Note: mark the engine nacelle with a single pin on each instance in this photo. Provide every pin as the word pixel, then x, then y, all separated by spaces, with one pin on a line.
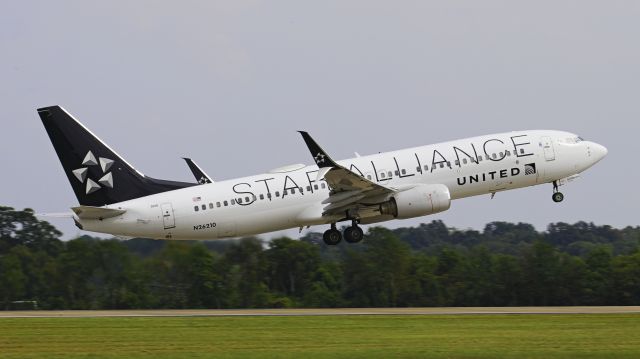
pixel 418 201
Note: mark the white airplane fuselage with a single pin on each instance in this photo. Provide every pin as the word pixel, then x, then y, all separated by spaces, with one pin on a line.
pixel 292 197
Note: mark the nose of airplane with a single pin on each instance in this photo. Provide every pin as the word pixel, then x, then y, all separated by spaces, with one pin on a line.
pixel 598 151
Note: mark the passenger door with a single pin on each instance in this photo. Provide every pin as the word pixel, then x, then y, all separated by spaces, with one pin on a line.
pixel 547 146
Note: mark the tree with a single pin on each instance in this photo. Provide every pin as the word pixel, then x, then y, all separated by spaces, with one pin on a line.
pixel 12 280
pixel 23 228
pixel 597 286
pixel 245 269
pixel 507 280
pixel 424 288
pixel 185 275
pixel 541 263
pixel 429 265
pixel 626 279
pixel 378 276
pixel 326 287
pixel 291 266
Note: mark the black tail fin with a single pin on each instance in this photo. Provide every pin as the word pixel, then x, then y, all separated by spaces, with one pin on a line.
pixel 97 174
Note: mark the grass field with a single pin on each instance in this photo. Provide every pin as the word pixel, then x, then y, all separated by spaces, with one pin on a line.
pixel 434 336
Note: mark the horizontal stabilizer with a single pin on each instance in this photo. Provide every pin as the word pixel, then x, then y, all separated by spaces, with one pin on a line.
pixel 89 212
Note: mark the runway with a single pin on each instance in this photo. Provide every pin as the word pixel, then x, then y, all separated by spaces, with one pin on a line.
pixel 315 312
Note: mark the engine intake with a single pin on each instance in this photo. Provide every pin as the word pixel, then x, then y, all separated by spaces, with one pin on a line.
pixel 418 201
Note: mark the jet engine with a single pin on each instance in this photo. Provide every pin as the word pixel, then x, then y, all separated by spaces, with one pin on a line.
pixel 417 201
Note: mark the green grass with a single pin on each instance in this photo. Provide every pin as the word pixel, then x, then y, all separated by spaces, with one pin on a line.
pixel 430 336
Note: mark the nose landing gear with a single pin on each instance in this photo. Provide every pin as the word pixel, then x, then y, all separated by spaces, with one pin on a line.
pixel 557 195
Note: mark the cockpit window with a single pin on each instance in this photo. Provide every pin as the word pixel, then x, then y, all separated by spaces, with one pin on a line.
pixel 572 140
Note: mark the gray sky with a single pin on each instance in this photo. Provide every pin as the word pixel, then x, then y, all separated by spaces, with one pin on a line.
pixel 229 83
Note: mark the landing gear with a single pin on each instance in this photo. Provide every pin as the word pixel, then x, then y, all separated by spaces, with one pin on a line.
pixel 557 195
pixel 353 234
pixel 332 236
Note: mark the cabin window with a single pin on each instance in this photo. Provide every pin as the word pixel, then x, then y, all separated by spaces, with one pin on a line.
pixel 508 153
pixel 196 208
pixel 418 169
pixel 501 154
pixel 397 173
pixel 308 188
pixel 426 168
pixel 246 199
pixel 479 158
pixel 269 195
pixel 457 162
pixel 239 200
pixel 218 204
pixel 261 197
pixel 300 189
pixel 293 191
pixel 522 151
pixel 381 174
pixel 323 185
pixel 204 206
pixel 389 174
pixel 404 172
pixel 226 203
pixel 210 205
pixel 233 201
pixel 315 186
pixel 441 165
pixel 254 197
pixel 277 193
pixel 448 164
pixel 493 155
pixel 464 160
pixel 368 177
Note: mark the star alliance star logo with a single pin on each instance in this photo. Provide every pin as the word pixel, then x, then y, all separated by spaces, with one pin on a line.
pixel 90 160
pixel 319 158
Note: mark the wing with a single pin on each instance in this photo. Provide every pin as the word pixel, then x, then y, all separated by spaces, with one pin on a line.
pixel 348 189
pixel 198 173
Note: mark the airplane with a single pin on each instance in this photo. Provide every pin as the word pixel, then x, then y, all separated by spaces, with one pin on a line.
pixel 198 173
pixel 117 199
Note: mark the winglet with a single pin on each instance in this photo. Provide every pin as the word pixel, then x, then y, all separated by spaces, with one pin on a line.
pixel 321 158
pixel 199 174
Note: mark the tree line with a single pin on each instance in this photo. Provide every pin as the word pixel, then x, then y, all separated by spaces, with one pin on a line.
pixel 506 264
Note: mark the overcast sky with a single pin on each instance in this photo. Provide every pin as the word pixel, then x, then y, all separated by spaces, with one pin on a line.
pixel 229 83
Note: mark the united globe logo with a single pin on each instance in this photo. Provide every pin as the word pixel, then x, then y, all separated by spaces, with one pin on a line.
pixel 530 169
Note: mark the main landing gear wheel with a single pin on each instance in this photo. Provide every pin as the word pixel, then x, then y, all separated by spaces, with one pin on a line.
pixel 332 236
pixel 353 234
pixel 557 197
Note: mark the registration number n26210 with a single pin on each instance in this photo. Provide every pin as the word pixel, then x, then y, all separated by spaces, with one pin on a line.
pixel 199 227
